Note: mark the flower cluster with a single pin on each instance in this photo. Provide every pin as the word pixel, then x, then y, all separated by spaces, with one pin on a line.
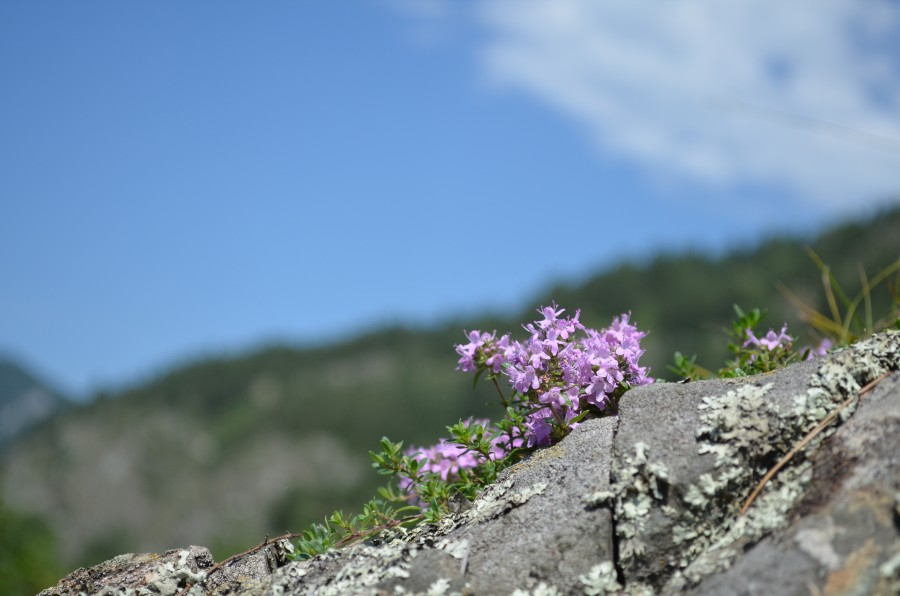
pixel 448 458
pixel 445 459
pixel 772 341
pixel 561 372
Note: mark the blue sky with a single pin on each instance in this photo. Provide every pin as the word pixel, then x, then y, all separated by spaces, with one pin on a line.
pixel 186 178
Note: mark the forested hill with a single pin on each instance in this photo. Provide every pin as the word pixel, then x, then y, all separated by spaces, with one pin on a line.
pixel 687 300
pixel 224 451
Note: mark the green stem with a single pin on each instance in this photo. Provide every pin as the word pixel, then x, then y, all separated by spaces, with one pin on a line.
pixel 500 391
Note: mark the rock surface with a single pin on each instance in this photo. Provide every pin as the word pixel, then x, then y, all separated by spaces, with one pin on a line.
pixel 646 503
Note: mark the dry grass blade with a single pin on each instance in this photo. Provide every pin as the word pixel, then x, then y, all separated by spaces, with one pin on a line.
pixel 829 296
pixel 218 566
pixel 837 325
pixel 830 286
pixel 867 297
pixel 810 315
pixel 806 440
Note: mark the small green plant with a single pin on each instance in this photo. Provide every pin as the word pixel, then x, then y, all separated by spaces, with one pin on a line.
pixel 751 353
pixel 688 369
pixel 848 321
pixel 378 515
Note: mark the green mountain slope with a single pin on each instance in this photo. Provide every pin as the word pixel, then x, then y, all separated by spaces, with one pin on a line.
pixel 686 300
pixel 223 452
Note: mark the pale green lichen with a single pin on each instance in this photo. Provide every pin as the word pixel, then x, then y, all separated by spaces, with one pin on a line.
pixel 365 567
pixel 890 569
pixel 166 579
pixel 889 575
pixel 598 498
pixel 769 513
pixel 638 484
pixel 847 370
pixel 601 580
pixel 733 423
pixel 458 550
pixel 735 428
pixel 439 587
pixel 493 504
pixel 542 589
pixel 742 430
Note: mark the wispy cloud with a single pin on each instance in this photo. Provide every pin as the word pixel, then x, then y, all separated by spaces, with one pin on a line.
pixel 802 97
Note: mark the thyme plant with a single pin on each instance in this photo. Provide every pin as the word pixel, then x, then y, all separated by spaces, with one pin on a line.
pixel 546 385
pixel 848 321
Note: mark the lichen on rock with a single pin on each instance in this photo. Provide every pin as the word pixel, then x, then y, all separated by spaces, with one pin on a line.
pixel 601 580
pixel 638 484
pixel 738 429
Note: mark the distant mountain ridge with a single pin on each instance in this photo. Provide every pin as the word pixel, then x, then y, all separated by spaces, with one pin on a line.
pixel 224 451
pixel 25 401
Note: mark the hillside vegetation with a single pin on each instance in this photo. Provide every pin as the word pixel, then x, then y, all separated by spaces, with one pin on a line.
pixel 225 451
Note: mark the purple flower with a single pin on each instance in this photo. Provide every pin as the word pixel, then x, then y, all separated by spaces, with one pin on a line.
pixel 550 314
pixel 770 340
pixel 537 358
pixel 446 458
pixel 482 347
pixel 523 380
pixel 468 351
pixel 820 350
pixel 539 431
pixel 503 443
pixel 554 397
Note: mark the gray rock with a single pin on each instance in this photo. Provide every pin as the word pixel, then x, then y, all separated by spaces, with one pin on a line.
pixel 704 447
pixel 565 536
pixel 646 503
pixel 843 533
pixel 532 528
pixel 175 571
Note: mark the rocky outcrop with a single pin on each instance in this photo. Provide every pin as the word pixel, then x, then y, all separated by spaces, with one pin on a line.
pixel 649 502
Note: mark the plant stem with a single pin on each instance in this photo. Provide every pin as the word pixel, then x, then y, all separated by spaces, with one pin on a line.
pixel 500 391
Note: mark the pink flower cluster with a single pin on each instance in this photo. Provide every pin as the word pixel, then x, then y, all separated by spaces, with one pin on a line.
pixel 561 370
pixel 447 458
pixel 559 374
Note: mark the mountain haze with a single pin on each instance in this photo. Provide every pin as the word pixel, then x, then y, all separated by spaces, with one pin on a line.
pixel 25 401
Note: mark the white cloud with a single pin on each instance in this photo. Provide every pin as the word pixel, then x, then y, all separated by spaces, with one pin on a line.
pixel 801 96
